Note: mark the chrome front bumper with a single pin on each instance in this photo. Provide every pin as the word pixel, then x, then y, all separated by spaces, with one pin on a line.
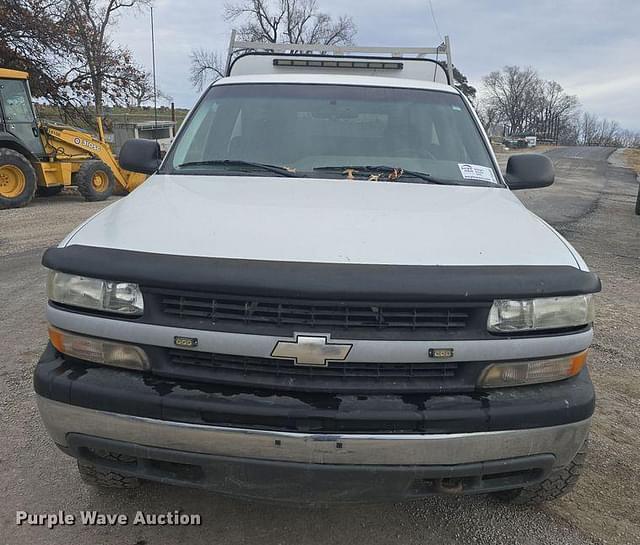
pixel 561 441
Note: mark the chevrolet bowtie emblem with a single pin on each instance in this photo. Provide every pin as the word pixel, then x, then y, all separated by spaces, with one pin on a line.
pixel 312 351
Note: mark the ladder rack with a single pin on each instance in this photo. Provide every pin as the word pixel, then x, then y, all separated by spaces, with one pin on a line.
pixel 237 47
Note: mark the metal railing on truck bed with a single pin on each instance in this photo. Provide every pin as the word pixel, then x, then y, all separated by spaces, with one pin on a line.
pixel 406 62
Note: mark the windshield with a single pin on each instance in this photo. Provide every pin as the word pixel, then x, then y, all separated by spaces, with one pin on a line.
pixel 333 131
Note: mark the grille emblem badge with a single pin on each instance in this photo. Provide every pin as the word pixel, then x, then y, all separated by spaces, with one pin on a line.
pixel 313 351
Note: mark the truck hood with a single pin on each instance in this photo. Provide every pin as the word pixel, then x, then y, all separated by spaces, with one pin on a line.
pixel 325 221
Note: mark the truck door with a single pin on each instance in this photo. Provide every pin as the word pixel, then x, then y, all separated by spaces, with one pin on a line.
pixel 18 114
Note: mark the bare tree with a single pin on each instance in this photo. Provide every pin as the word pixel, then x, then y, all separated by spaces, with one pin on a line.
pixel 629 139
pixel 71 59
pixel 274 21
pixel 289 21
pixel 608 132
pixel 512 91
pixel 569 130
pixel 104 68
pixel 489 116
pixel 165 97
pixel 205 63
pixel 33 37
pixel 555 107
pixel 140 90
pixel 524 102
pixel 589 129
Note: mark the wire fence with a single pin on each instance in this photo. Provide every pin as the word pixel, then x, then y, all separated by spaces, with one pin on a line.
pixel 85 118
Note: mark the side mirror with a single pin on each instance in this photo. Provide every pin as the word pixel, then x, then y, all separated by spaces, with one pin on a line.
pixel 140 155
pixel 529 171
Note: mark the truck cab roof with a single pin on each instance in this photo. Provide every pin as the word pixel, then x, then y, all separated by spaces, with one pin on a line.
pixel 338 79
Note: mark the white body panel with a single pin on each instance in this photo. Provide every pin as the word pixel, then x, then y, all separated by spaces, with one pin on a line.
pixel 328 221
pixel 411 68
pixel 338 79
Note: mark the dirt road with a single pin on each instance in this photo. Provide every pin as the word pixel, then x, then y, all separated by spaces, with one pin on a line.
pixel 591 203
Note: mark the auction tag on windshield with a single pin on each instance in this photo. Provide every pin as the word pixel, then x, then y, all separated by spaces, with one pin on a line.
pixel 477 172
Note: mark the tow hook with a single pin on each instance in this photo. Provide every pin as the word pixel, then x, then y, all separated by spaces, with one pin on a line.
pixel 449 486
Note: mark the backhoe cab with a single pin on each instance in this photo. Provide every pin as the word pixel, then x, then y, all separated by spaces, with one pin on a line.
pixel 41 157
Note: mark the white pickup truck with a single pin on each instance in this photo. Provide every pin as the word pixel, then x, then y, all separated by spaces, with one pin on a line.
pixel 325 292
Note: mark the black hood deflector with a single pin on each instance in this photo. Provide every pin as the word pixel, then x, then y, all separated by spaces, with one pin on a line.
pixel 322 280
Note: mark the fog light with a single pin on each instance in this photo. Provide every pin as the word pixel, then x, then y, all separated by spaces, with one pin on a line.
pixel 101 351
pixel 532 372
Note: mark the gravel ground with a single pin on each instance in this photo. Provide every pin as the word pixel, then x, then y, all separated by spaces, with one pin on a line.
pixel 591 204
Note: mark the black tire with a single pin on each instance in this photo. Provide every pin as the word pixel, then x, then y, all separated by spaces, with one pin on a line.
pixel 86 177
pixel 638 203
pixel 105 478
pixel 557 484
pixel 50 191
pixel 18 179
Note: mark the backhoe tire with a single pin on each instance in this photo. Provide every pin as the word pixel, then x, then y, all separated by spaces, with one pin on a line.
pixel 18 179
pixel 557 484
pixel 105 478
pixel 95 181
pixel 638 203
pixel 50 191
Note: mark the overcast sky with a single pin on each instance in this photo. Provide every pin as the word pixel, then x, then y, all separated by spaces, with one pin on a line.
pixel 591 47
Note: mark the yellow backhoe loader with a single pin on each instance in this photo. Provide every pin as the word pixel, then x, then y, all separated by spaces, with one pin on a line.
pixel 36 156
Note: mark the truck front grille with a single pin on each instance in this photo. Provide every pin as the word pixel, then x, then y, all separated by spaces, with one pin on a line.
pixel 249 314
pixel 337 376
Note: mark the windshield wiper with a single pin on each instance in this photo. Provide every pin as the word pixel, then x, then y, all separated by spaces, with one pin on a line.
pixel 282 171
pixel 394 172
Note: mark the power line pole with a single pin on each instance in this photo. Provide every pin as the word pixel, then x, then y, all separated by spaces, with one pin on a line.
pixel 153 62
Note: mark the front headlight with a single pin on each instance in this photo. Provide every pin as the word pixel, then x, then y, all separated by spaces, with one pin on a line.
pixel 95 294
pixel 514 316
